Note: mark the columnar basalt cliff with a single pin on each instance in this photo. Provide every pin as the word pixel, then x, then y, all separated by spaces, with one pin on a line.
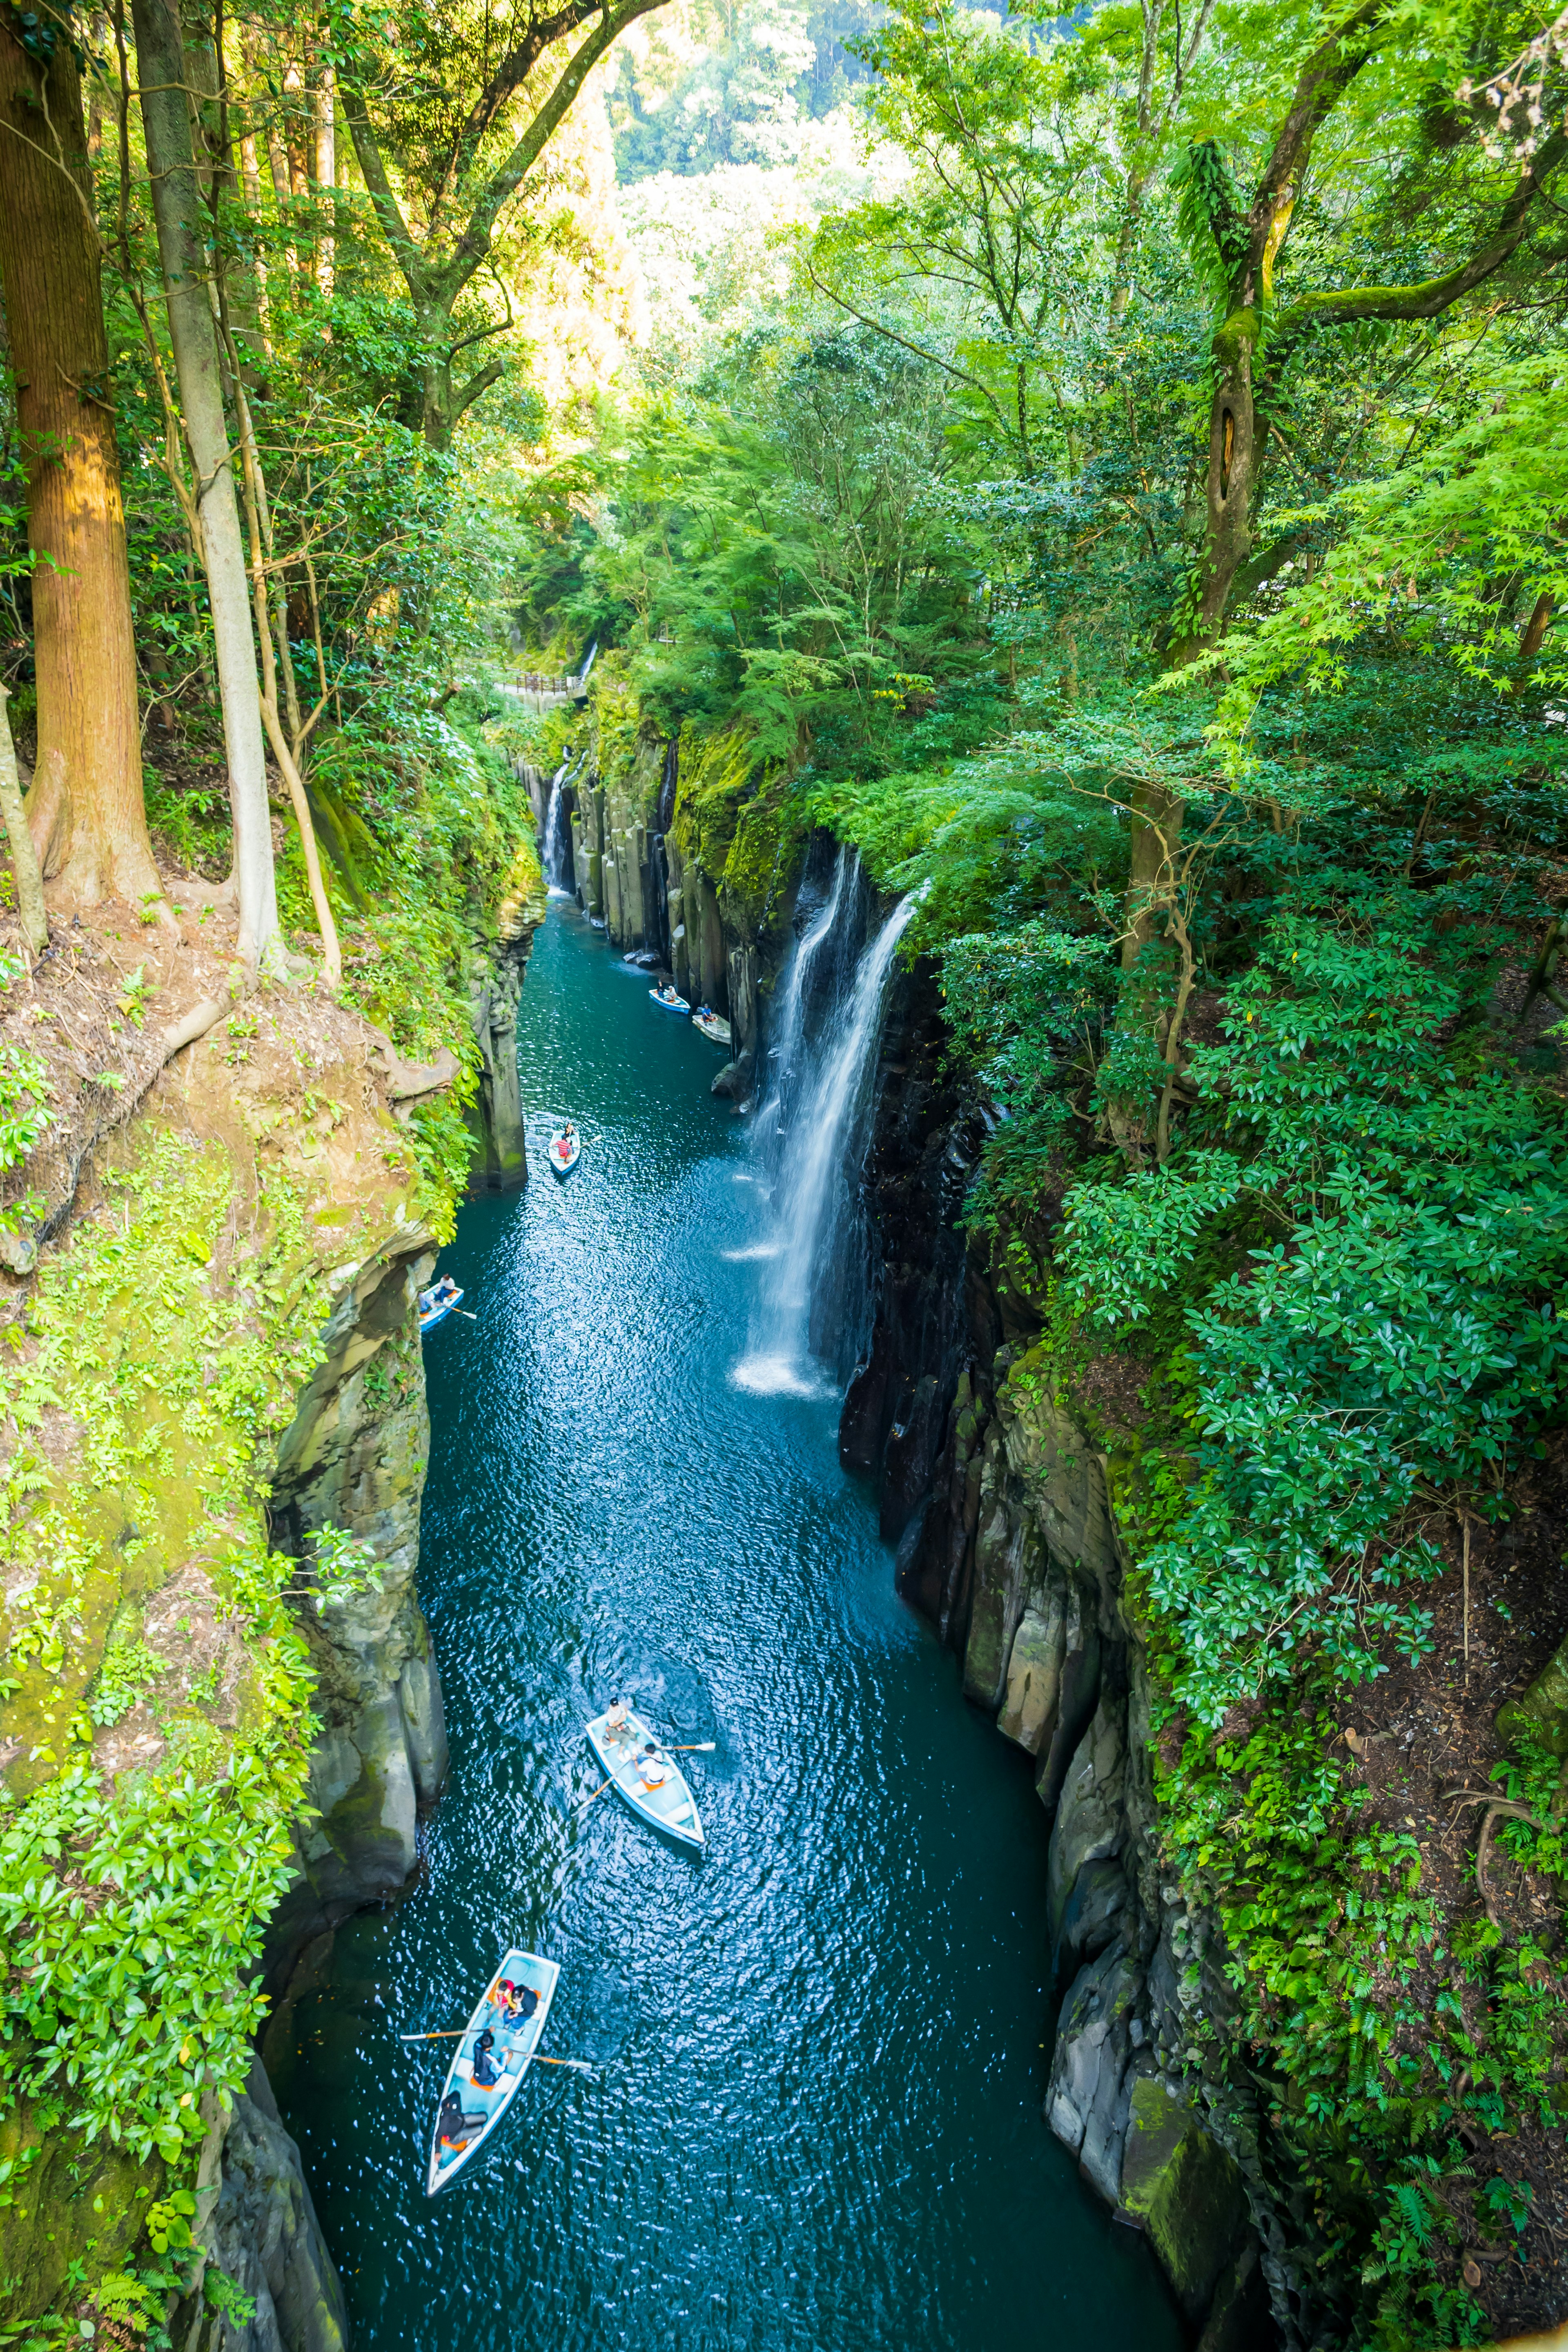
pixel 686 851
pixel 1009 1546
pixel 356 1457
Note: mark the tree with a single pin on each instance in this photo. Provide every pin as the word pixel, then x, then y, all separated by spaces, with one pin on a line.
pixel 176 206
pixel 86 809
pixel 1255 336
pixel 462 159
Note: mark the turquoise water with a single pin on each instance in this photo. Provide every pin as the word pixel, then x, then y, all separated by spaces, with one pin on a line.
pixel 816 2122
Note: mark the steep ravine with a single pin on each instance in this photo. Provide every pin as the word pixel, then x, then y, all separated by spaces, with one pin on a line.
pixel 1009 1546
pixel 1006 1543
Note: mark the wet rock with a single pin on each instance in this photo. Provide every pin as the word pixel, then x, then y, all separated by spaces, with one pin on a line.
pixel 736 1080
pixel 1086 2103
pixel 1034 1673
pixel 1240 2319
pixel 908 1459
pixel 356 1457
pixel 1187 2193
pixel 1091 1820
pixel 1096 1914
pixel 263 2234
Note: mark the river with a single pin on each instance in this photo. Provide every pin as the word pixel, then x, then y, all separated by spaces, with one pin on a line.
pixel 815 2123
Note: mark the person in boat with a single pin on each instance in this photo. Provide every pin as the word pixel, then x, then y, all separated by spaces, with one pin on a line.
pixel 616 1721
pixel 453 2129
pixel 484 2074
pixel 518 2003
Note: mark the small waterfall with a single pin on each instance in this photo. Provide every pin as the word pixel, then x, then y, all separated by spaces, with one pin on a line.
pixel 826 1099
pixel 784 1054
pixel 556 855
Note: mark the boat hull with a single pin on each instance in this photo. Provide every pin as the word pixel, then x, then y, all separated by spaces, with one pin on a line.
pixel 516 2048
pixel 673 1808
pixel 682 1012
pixel 429 1318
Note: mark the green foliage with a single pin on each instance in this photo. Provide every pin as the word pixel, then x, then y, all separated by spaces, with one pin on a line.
pixel 227 2296
pixel 132 1915
pixel 128 1672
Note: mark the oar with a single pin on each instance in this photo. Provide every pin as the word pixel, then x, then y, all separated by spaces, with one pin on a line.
pixel 456 2033
pixel 692 1747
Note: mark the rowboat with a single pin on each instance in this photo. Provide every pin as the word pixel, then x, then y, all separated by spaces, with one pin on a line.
pixel 667 1000
pixel 713 1025
pixel 565 1150
pixel 647 1775
pixel 436 1303
pixel 468 2112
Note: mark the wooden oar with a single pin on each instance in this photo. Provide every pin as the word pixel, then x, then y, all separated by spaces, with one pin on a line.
pixel 537 2058
pixel 694 1748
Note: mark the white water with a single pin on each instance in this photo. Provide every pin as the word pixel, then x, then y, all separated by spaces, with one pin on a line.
pixel 553 859
pixel 785 1052
pixel 822 1147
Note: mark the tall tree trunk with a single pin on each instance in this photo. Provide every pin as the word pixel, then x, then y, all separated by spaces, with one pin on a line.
pixel 176 204
pixel 87 811
pixel 326 174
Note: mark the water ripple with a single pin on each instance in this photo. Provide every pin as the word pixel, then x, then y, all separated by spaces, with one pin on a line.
pixel 814 2126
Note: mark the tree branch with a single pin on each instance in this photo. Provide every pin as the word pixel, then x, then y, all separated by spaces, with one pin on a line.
pixel 1435 295
pixel 367 153
pixel 472 248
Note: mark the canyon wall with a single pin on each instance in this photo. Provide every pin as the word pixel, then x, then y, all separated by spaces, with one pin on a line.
pixel 1009 1545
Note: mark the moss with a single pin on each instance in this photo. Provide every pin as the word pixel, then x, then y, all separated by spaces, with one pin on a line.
pixel 66 2215
pixel 617 725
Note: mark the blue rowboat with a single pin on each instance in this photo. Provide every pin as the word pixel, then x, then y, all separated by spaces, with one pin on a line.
pixel 469 2112
pixel 436 1303
pixel 668 1002
pixel 565 1150
pixel 647 1775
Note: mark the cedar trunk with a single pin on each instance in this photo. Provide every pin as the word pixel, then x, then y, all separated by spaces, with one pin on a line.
pixel 177 210
pixel 86 811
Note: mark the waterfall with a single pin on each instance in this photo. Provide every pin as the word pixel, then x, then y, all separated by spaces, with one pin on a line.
pixel 826 1107
pixel 786 1054
pixel 555 858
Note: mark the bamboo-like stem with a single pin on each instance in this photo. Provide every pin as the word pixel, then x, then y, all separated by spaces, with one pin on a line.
pixel 24 853
pixel 251 484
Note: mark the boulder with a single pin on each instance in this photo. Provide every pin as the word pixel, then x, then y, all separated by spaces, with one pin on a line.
pixel 1085 2103
pixel 1181 2184
pixel 1034 1671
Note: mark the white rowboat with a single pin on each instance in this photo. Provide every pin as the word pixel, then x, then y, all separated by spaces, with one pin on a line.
pixel 647 1777
pixel 714 1026
pixel 468 2112
pixel 565 1150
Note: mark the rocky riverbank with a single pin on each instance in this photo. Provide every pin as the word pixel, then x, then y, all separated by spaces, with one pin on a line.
pixel 214 1356
pixel 1014 1478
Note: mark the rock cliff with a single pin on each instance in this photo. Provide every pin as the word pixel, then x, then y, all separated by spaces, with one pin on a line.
pixel 1009 1545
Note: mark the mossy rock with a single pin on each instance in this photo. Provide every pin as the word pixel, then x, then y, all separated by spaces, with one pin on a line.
pixel 69 2204
pixel 1187 2192
pixel 1540 1711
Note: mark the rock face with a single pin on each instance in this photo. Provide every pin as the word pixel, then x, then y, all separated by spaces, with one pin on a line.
pixel 1008 1545
pixel 356 1457
pixel 260 2232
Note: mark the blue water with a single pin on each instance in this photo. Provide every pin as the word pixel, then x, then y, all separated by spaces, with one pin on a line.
pixel 816 2122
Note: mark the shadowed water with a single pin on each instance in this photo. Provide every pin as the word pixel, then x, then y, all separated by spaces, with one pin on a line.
pixel 816 2123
